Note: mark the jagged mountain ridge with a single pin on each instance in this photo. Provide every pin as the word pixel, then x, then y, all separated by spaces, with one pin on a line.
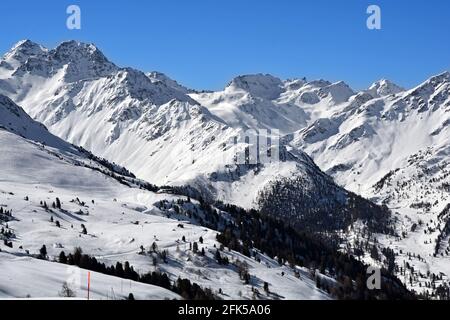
pixel 160 130
pixel 356 137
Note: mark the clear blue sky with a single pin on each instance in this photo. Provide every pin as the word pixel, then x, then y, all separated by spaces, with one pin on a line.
pixel 204 43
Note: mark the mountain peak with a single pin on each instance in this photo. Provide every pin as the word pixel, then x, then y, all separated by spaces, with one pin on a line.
pixel 261 85
pixel 24 49
pixel 80 60
pixel 156 76
pixel 77 45
pixel 384 87
pixel 136 84
pixel 24 43
pixel 83 60
pixel 295 84
pixel 73 50
pixel 339 92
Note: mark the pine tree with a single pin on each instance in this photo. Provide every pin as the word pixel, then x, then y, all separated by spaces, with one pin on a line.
pixel 43 252
pixel 58 203
pixel 128 271
pixel 266 287
pixel 62 257
pixel 218 257
pixel 164 255
pixel 195 247
pixel 77 253
pixel 119 270
pixel 246 278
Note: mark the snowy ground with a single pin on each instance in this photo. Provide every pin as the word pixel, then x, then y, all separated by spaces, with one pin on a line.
pixel 26 277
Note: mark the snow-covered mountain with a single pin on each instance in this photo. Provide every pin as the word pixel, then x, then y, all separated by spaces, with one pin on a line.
pixel 137 239
pixel 112 217
pixel 168 135
pixel 394 149
pixel 383 88
pixel 384 143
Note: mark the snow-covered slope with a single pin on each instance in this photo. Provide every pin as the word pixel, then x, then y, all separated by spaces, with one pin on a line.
pixel 381 134
pixel 156 76
pixel 24 277
pixel 119 218
pixel 15 119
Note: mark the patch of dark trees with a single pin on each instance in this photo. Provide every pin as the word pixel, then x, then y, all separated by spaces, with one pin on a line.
pixel 183 287
pixel 250 229
pixel 320 206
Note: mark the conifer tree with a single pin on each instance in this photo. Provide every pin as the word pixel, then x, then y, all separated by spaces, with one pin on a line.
pixel 43 252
